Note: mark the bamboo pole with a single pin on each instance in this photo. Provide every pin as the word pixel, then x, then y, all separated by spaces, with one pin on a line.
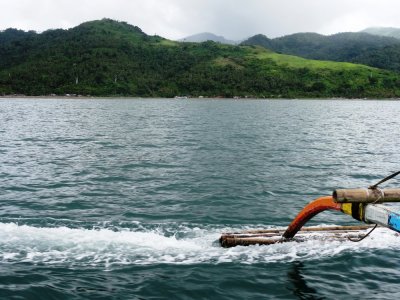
pixel 366 195
pixel 273 236
pixel 325 228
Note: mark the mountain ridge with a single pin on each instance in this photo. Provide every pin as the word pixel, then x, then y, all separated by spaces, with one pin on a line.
pixel 208 36
pixel 384 31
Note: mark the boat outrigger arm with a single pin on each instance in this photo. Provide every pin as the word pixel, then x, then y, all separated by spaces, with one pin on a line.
pixel 361 204
pixel 365 205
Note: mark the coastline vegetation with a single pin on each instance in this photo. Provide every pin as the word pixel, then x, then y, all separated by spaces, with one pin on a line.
pixel 110 58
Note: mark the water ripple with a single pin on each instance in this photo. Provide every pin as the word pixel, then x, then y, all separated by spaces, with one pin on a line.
pixel 114 188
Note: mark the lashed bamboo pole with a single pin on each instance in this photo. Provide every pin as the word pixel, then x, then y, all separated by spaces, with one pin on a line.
pixel 366 195
pixel 273 236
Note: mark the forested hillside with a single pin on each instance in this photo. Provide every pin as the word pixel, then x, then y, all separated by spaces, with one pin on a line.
pixel 363 48
pixel 109 58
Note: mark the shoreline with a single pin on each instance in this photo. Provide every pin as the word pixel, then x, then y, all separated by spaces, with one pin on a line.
pixel 80 97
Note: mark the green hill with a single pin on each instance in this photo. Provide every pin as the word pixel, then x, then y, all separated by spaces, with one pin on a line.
pixel 355 47
pixel 108 58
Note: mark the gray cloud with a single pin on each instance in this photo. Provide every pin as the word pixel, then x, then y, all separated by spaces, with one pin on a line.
pixel 235 19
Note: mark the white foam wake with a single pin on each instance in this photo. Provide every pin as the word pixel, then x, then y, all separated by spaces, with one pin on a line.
pixel 105 247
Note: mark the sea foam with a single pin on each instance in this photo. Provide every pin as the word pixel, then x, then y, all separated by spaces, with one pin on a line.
pixel 190 245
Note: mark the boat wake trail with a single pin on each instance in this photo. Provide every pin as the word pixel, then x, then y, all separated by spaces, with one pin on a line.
pixel 163 244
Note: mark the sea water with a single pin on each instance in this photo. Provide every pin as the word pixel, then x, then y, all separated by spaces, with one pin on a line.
pixel 126 198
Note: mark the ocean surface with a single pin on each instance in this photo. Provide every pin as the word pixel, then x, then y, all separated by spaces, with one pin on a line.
pixel 126 198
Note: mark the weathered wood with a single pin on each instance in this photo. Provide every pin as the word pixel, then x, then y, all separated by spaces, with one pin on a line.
pixel 273 236
pixel 366 195
pixel 228 242
pixel 327 228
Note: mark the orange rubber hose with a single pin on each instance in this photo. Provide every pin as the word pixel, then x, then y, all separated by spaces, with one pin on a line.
pixel 308 212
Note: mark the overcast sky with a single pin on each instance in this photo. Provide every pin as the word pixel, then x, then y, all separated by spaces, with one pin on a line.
pixel 234 19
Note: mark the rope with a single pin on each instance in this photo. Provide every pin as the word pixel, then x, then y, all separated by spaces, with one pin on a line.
pixel 360 239
pixel 381 196
pixel 373 187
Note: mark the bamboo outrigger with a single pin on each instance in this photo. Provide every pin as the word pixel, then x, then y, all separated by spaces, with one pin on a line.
pixel 364 205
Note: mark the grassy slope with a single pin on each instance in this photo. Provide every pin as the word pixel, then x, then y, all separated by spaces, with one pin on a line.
pixel 358 79
pixel 296 62
pixel 361 48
